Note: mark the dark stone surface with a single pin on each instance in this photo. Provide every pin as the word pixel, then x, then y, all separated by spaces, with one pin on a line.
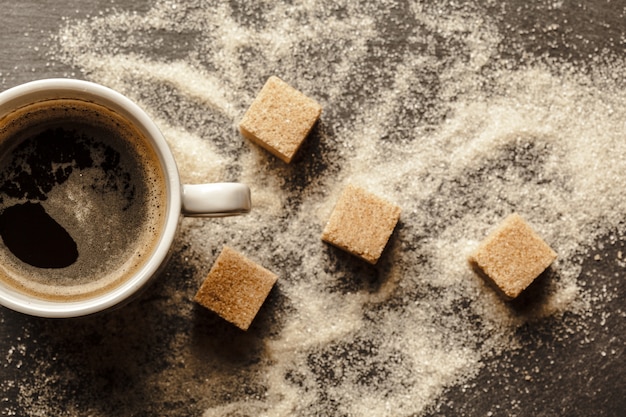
pixel 106 365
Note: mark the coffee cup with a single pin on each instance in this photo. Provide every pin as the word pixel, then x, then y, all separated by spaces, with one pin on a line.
pixel 90 198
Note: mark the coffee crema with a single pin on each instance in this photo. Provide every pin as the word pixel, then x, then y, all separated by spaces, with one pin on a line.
pixel 82 199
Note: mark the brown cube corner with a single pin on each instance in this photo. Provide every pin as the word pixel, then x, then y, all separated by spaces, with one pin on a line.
pixel 280 118
pixel 235 288
pixel 361 223
pixel 512 256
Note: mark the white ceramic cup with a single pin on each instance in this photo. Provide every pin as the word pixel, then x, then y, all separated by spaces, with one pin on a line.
pixel 210 200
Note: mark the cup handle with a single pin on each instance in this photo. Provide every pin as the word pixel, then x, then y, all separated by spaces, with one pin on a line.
pixel 216 200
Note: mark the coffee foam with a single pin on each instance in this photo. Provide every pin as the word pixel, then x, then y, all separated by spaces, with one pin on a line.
pixel 115 232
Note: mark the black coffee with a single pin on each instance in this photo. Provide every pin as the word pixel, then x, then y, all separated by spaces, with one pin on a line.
pixel 36 238
pixel 81 199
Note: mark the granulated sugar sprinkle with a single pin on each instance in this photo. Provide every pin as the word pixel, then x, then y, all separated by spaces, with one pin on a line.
pixel 428 115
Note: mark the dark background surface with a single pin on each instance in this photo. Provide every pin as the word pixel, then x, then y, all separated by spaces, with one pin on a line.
pixel 581 375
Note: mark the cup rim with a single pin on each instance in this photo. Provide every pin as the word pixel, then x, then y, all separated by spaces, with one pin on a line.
pixel 52 88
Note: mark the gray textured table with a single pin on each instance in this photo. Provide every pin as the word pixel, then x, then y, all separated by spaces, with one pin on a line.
pixel 400 83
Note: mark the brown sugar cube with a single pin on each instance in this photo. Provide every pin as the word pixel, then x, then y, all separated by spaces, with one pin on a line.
pixel 512 256
pixel 280 118
pixel 361 223
pixel 235 288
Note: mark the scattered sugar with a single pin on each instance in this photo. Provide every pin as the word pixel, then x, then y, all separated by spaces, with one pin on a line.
pixel 435 120
pixel 197 159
